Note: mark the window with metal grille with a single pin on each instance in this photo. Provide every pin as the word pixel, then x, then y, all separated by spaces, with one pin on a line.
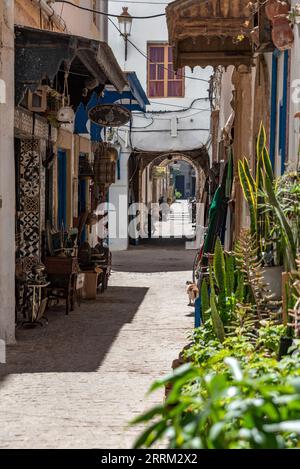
pixel 163 81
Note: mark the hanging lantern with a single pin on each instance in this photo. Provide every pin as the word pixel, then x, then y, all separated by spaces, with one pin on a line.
pixel 105 157
pixel 272 9
pixel 66 114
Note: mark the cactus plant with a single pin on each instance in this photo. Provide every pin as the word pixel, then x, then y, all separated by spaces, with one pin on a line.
pixel 204 300
pixel 217 322
pixel 254 189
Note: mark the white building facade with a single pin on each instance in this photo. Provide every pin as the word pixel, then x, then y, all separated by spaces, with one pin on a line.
pixel 171 123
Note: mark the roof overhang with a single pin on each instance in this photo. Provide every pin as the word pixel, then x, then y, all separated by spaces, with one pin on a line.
pixel 137 90
pixel 215 32
pixel 40 54
pixel 133 97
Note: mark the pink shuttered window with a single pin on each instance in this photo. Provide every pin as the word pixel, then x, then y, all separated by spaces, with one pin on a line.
pixel 163 82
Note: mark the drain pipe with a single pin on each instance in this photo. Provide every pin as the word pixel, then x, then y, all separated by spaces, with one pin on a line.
pixel 103 21
pixel 50 13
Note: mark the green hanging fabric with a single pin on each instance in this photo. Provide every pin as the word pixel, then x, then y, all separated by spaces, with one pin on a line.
pixel 212 222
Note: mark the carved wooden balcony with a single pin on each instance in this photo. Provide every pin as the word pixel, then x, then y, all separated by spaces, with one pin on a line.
pixel 214 32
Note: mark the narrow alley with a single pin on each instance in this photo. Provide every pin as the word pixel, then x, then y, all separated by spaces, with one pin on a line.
pixel 78 382
pixel 149 229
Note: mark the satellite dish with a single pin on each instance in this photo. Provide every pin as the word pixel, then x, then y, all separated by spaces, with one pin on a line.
pixel 109 115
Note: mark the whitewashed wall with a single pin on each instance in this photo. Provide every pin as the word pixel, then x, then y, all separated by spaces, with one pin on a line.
pixel 152 131
pixel 80 22
pixel 193 125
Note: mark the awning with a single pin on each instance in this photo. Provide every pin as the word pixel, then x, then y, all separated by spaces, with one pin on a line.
pixel 41 54
pixel 132 97
pixel 214 32
pixel 137 91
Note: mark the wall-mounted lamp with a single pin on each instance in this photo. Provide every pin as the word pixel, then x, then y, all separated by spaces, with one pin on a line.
pixel 125 24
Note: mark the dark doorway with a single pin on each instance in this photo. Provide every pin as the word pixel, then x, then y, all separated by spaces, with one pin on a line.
pixel 180 184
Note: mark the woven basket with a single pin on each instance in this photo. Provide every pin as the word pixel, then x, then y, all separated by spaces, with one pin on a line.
pixel 105 157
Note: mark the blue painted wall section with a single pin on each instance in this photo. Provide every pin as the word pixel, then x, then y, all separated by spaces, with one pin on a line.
pixel 198 312
pixel 134 99
pixel 284 112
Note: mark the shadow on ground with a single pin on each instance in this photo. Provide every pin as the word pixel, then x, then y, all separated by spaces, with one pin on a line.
pixel 146 259
pixel 75 343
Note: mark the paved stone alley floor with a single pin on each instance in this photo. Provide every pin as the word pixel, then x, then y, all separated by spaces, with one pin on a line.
pixel 78 382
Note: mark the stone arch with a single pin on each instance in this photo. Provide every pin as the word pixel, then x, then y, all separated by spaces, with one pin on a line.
pixel 141 159
pixel 166 159
pixel 181 157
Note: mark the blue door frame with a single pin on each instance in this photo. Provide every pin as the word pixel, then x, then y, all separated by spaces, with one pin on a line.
pixel 284 112
pixel 273 119
pixel 62 188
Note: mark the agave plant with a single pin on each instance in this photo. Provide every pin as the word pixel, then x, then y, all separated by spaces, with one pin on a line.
pixel 287 190
pixel 266 212
pixel 253 188
pixel 257 292
pixel 287 237
pixel 294 312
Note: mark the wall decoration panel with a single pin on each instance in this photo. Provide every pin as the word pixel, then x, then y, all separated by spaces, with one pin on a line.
pixel 29 217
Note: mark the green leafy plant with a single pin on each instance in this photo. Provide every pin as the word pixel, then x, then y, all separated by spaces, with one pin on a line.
pixel 215 316
pixel 289 245
pixel 220 277
pixel 250 267
pixel 253 188
pixel 205 302
pixel 229 410
pixel 216 302
pixel 272 221
pixel 294 312
pixel 287 189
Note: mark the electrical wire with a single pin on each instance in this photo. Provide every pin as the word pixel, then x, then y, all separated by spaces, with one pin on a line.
pixel 142 53
pixel 142 3
pixel 138 115
pixel 161 131
pixel 109 14
pixel 149 60
pixel 256 10
pixel 181 108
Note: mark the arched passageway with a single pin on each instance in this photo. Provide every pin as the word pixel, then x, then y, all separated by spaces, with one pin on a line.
pixel 141 164
pixel 167 186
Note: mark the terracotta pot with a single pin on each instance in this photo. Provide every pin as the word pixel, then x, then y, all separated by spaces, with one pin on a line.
pixel 282 33
pixel 275 8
